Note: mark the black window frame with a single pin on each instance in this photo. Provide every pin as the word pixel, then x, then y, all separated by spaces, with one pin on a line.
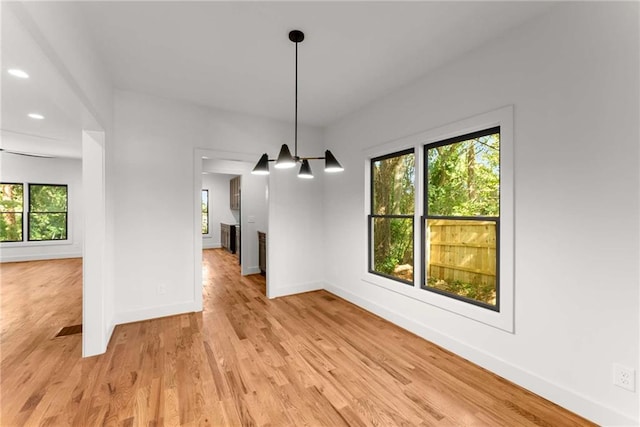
pixel 201 213
pixel 426 216
pixel 21 184
pixel 371 217
pixel 66 213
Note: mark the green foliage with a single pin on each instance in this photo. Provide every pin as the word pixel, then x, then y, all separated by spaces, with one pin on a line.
pixel 48 212
pixel 47 198
pixel 47 226
pixel 393 185
pixel 10 227
pixel 477 291
pixel 11 206
pixel 393 244
pixel 464 178
pixel 205 211
pixel 393 193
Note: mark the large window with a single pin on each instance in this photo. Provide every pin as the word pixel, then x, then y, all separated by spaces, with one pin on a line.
pixel 47 212
pixel 11 212
pixel 459 177
pixel 392 215
pixel 205 211
pixel 462 214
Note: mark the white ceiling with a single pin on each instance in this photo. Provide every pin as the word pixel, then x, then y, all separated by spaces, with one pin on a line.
pixel 236 56
pixel 44 92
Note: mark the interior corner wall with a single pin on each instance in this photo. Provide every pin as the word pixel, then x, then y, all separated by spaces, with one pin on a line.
pixel 575 93
pixel 219 207
pixel 21 169
pixel 153 170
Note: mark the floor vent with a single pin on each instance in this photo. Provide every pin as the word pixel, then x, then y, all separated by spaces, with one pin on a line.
pixel 70 330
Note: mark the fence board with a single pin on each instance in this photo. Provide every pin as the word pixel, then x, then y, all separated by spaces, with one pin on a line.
pixel 461 250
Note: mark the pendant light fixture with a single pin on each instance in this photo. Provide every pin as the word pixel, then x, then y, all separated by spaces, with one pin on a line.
pixel 285 160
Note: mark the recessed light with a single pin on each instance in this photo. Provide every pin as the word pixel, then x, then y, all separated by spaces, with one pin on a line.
pixel 36 116
pixel 16 72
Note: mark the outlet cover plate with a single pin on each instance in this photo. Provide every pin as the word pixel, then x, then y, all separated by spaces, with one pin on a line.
pixel 624 377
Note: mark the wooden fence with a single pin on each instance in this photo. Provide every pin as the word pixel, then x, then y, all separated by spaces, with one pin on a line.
pixel 461 250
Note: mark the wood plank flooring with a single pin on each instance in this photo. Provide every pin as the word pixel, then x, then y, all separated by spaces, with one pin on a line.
pixel 305 360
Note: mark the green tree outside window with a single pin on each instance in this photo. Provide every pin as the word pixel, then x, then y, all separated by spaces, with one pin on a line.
pixel 11 212
pixel 392 210
pixel 47 212
pixel 205 211
pixel 463 211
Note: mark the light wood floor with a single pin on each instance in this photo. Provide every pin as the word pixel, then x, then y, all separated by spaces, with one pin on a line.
pixel 306 360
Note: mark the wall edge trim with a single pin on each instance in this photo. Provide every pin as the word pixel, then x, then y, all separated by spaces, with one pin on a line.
pixel 295 289
pixel 150 313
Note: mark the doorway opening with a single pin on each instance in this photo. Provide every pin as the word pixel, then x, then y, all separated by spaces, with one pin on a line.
pixel 237 211
pixel 222 212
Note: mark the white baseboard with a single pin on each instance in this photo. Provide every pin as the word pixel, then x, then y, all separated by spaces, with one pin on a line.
pixel 210 245
pixel 155 312
pixel 251 270
pixel 569 399
pixel 39 257
pixel 295 289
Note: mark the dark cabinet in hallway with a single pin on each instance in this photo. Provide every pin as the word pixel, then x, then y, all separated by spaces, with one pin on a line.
pixel 228 238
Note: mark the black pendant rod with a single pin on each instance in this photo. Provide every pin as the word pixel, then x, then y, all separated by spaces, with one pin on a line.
pixel 296 115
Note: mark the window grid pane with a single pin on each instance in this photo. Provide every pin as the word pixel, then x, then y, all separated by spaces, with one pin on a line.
pixel 47 212
pixel 463 177
pixel 461 258
pixel 462 213
pixel 11 226
pixel 391 223
pixel 11 208
pixel 47 198
pixel 392 241
pixel 393 185
pixel 47 226
pixel 205 211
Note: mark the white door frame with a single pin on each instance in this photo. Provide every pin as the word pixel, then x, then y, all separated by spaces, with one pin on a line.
pixel 209 154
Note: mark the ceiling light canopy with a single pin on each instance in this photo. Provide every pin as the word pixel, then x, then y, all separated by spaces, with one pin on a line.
pixel 16 72
pixel 285 160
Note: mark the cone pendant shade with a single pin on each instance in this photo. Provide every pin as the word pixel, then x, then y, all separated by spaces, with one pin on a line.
pixel 331 164
pixel 285 160
pixel 305 170
pixel 262 167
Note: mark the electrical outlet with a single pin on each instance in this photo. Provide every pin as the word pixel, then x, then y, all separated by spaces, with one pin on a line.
pixel 624 377
pixel 162 289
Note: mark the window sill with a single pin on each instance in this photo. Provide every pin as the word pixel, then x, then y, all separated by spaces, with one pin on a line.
pixel 500 320
pixel 35 243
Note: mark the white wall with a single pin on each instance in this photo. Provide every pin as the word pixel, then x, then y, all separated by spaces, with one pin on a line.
pixel 33 170
pixel 219 209
pixel 155 141
pixel 572 76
